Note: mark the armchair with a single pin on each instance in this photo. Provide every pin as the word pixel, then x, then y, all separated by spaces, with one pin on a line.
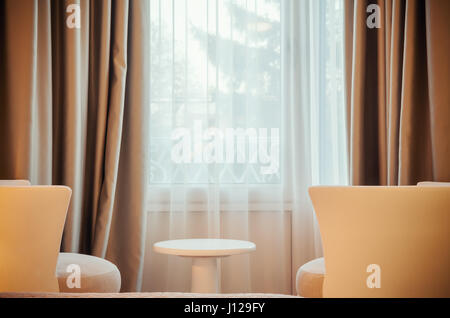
pixel 31 224
pixel 96 274
pixel 416 220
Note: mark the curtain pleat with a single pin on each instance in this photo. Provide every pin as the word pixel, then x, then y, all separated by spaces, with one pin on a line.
pixel 73 112
pixel 126 244
pixel 437 19
pixel 395 91
pixel 24 66
pixel 70 48
pixel 99 72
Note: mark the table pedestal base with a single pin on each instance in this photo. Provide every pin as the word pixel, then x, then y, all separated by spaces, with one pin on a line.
pixel 204 275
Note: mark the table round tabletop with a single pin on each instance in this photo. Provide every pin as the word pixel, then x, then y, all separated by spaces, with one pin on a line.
pixel 204 247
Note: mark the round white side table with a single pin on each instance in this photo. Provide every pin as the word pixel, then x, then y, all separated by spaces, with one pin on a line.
pixel 204 254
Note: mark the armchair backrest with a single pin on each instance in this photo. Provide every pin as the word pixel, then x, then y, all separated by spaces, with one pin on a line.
pixel 384 241
pixel 31 225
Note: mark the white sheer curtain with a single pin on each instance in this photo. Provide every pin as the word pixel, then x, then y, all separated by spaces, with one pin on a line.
pixel 313 101
pixel 247 111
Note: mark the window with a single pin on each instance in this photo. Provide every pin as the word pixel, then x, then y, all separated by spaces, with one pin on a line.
pixel 216 76
pixel 215 68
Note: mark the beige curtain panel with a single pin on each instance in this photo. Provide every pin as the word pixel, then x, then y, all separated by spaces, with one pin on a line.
pixel 398 92
pixel 73 105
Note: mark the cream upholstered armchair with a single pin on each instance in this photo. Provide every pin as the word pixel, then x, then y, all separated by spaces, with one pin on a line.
pixel 311 276
pixel 31 223
pixel 96 274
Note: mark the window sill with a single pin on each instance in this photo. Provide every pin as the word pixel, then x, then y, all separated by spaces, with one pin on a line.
pixel 233 198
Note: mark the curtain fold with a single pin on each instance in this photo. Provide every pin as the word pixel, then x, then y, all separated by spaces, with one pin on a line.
pixel 398 98
pixel 25 127
pixel 73 112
